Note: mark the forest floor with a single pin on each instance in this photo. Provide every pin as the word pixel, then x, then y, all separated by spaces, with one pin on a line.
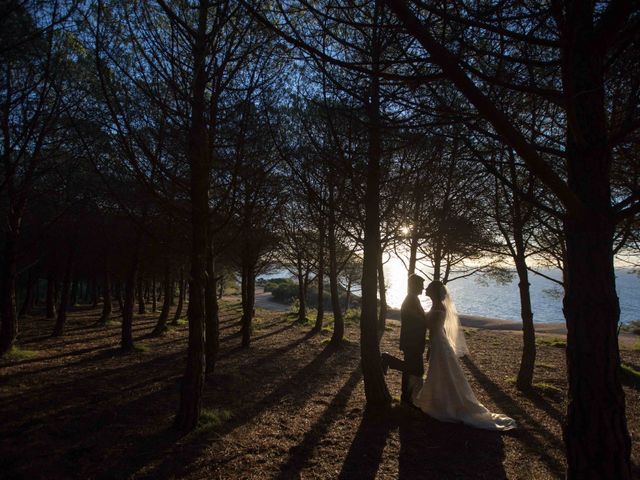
pixel 288 407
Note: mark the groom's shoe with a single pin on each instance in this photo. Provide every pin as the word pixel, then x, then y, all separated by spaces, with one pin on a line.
pixel 384 361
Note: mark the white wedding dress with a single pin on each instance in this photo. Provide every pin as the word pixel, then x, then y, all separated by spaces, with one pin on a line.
pixel 445 393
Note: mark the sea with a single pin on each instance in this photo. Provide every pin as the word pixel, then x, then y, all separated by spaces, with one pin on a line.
pixel 478 295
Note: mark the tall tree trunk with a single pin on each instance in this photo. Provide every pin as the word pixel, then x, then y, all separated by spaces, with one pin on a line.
pixel 338 320
pixel 65 297
pixel 200 169
pixel 212 321
pixel 9 325
pixel 375 388
pixel 141 305
pixel 248 303
pixel 73 298
pixel 95 293
pixel 320 311
pixel 161 325
pixel 28 297
pixel 51 296
pixel 126 339
pixel 178 312
pixel 302 294
pixel 119 296
pixel 528 360
pixel 154 301
pixel 382 312
pixel 596 434
pixel 106 298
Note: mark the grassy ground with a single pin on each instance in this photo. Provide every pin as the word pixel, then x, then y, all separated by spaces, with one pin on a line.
pixel 288 407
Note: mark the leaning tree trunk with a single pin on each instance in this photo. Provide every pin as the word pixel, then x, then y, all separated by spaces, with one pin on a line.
pixel 178 312
pixel 320 311
pixel 382 312
pixel 51 297
pixel 212 321
pixel 161 325
pixel 375 388
pixel 200 169
pixel 528 360
pixel 65 297
pixel 106 299
pixel 9 325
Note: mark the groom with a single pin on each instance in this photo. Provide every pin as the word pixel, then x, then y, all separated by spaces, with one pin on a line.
pixel 413 331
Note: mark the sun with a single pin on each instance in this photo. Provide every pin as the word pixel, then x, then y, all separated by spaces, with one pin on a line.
pixel 406 230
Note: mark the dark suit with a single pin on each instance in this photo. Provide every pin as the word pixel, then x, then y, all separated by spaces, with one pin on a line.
pixel 413 332
pixel 413 338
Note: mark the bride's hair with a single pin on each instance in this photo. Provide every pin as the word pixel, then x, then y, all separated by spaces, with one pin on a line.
pixel 452 327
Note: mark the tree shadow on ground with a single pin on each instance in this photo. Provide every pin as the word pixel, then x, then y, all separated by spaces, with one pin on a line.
pixel 528 435
pixel 429 449
pixel 301 454
pixel 294 391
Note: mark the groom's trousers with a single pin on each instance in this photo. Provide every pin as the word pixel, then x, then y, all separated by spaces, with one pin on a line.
pixel 413 364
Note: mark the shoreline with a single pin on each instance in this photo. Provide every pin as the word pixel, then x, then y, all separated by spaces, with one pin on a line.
pixel 263 300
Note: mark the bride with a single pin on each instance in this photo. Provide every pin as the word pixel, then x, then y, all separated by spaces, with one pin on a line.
pixel 445 393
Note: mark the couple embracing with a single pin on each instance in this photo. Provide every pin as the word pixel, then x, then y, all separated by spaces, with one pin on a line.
pixel 445 393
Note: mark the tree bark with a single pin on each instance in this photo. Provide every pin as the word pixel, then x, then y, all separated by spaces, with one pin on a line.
pixel 200 169
pixel 106 299
pixel 382 312
pixel 119 296
pixel 73 298
pixel 51 297
pixel 95 292
pixel 248 303
pixel 9 325
pixel 126 339
pixel 141 305
pixel 161 325
pixel 212 321
pixel 338 320
pixel 65 297
pixel 320 310
pixel 596 434
pixel 302 300
pixel 154 300
pixel 528 360
pixel 178 312
pixel 375 388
